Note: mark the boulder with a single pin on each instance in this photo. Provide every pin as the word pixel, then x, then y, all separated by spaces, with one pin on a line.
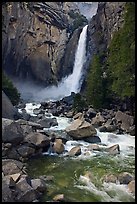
pixel 131 186
pixel 8 110
pixel 93 147
pixel 25 151
pixel 11 131
pixel 111 128
pixel 126 120
pixel 80 129
pixel 10 166
pixel 115 149
pixel 38 184
pixel 26 192
pixel 125 178
pixel 102 128
pixel 15 177
pixel 132 130
pixel 59 197
pixel 48 122
pixel 6 192
pixel 75 151
pixel 37 139
pixel 91 113
pixel 110 178
pixel 98 120
pixel 58 146
pixel 78 115
pixel 92 139
pixel 12 154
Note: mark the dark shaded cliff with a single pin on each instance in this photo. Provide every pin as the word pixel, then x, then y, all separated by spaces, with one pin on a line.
pixel 36 37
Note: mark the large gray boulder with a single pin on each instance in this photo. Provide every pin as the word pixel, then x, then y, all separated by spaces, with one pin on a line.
pixel 37 139
pixel 7 195
pixel 126 120
pixel 80 129
pixel 8 110
pixel 11 131
pixel 27 193
pixel 11 166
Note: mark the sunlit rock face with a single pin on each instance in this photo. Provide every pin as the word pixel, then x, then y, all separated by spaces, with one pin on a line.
pixel 35 39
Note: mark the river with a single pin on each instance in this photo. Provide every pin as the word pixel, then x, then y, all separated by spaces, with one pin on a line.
pixel 70 173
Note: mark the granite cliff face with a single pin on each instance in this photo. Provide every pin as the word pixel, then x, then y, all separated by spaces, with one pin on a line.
pixel 109 19
pixel 101 28
pixel 35 39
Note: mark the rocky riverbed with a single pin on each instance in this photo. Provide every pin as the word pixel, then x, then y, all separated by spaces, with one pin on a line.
pixel 55 128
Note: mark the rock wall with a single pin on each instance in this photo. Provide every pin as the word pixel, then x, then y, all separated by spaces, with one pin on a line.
pixel 35 39
pixel 101 28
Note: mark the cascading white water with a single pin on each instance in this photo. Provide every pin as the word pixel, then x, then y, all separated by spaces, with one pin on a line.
pixel 71 83
pixel 73 80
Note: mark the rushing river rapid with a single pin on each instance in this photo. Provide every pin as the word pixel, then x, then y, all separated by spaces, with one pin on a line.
pixel 80 178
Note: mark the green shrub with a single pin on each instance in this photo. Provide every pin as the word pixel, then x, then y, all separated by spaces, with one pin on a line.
pixel 10 90
pixel 121 57
pixel 79 103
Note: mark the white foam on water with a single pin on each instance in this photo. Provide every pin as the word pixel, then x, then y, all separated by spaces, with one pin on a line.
pixel 109 192
pixel 30 108
pixel 125 141
pixel 89 186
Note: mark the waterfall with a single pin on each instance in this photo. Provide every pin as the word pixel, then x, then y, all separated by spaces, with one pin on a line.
pixel 73 80
pixel 71 83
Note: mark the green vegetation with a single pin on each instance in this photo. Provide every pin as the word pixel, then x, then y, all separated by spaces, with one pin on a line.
pixel 118 66
pixel 10 90
pixel 79 20
pixel 95 83
pixel 121 57
pixel 79 103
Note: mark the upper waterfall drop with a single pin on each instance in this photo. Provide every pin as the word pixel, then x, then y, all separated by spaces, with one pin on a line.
pixel 73 80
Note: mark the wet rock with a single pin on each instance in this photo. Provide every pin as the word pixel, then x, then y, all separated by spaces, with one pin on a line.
pixel 8 110
pixel 10 166
pixel 98 120
pixel 9 181
pixel 115 149
pixel 91 113
pixel 93 139
pixel 59 197
pixel 6 192
pixel 15 177
pixel 127 120
pixel 131 186
pixel 75 151
pixel 111 128
pixel 58 146
pixel 102 129
pixel 11 131
pixel 80 129
pixel 26 192
pixel 78 115
pixel 110 178
pixel 132 130
pixel 48 122
pixel 38 184
pixel 26 151
pixel 37 139
pixel 93 147
pixel 125 178
pixel 12 154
